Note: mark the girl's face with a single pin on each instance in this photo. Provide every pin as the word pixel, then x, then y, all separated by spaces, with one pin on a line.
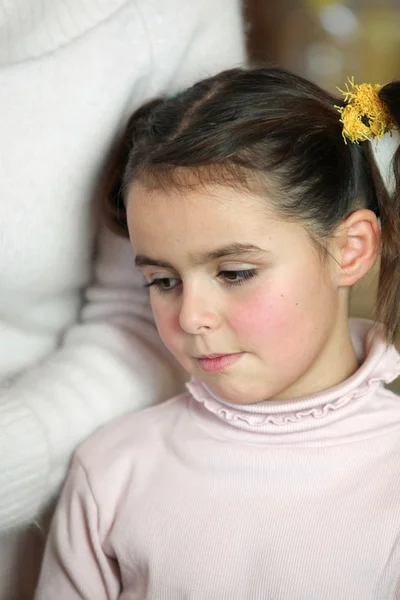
pixel 240 297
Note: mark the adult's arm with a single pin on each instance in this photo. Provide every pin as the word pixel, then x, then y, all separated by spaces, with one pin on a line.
pixel 112 360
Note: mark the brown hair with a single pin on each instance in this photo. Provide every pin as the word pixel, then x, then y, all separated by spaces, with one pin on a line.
pixel 265 126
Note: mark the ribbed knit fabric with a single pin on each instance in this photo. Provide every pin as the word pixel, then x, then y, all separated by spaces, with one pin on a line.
pixel 199 499
pixel 78 346
pixel 30 28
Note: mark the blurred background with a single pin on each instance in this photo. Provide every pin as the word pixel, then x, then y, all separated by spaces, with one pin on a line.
pixel 328 41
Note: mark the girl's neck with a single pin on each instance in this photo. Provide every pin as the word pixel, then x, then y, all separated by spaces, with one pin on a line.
pixel 336 363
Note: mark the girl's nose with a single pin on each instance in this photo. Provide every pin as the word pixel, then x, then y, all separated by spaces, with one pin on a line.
pixel 198 315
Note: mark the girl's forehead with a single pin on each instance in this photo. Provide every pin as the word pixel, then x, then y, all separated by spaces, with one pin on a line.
pixel 199 220
pixel 211 205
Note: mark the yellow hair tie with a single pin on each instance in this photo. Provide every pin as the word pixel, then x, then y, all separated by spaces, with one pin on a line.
pixel 365 116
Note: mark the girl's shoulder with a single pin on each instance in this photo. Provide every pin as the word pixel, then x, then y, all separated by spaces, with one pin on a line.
pixel 131 435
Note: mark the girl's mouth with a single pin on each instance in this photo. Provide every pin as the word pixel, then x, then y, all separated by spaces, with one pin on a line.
pixel 218 362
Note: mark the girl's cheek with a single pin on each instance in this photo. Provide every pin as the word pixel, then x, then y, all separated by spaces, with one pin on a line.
pixel 167 321
pixel 261 314
pixel 281 321
pixel 271 327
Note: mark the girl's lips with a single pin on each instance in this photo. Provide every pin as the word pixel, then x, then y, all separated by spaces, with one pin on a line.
pixel 212 364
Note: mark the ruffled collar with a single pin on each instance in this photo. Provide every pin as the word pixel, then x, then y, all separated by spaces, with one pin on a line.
pixel 380 364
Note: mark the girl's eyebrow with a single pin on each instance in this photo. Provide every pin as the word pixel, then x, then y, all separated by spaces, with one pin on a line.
pixel 231 249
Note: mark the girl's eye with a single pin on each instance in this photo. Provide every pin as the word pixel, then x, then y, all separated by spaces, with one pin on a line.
pixel 230 278
pixel 163 284
pixel 237 277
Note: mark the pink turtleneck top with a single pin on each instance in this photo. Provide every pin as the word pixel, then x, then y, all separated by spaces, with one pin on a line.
pixel 199 499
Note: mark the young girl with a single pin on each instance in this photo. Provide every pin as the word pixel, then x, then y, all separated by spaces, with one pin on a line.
pixel 253 203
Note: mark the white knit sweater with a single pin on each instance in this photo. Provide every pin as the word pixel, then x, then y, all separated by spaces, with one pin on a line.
pixel 77 342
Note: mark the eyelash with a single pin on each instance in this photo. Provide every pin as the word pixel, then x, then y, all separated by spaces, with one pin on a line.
pixel 246 274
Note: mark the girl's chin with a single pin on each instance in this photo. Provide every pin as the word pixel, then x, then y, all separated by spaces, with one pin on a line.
pixel 235 393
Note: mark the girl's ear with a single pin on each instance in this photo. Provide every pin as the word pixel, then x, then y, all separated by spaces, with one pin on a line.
pixel 357 243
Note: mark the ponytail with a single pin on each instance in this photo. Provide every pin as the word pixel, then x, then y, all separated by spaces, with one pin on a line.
pixel 112 202
pixel 388 299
